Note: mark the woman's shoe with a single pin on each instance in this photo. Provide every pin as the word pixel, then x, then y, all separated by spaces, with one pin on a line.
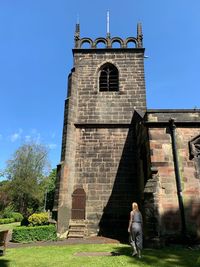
pixel 134 253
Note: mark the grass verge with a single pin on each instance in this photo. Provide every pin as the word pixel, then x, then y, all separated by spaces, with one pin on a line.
pixel 64 256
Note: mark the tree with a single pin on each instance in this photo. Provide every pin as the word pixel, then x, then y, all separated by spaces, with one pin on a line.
pixel 50 185
pixel 26 172
pixel 5 198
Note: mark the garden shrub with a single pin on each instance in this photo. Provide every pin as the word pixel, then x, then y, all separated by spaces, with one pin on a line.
pixel 7 213
pixel 18 217
pixel 26 234
pixel 38 219
pixel 7 220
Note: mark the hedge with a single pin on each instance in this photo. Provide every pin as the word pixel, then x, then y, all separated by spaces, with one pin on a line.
pixel 26 234
pixel 7 220
pixel 18 217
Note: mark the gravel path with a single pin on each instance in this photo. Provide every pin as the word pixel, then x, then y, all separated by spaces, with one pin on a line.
pixel 89 240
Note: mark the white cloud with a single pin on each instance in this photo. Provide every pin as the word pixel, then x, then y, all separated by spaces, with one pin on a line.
pixel 33 135
pixel 52 146
pixel 16 136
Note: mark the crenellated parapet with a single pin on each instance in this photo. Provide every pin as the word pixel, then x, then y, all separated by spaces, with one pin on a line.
pixel 108 42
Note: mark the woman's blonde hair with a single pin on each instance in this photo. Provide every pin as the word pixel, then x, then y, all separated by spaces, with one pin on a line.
pixel 135 206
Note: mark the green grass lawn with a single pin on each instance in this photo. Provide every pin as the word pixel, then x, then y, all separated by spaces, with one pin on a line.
pixel 61 256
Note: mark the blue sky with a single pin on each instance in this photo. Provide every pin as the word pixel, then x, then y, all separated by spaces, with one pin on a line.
pixel 36 38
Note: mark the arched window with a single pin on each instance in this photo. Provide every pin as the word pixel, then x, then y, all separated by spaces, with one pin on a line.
pixel 108 78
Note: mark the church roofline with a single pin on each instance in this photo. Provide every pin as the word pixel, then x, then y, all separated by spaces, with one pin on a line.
pixel 194 110
pixel 103 50
pixel 108 41
pixel 182 117
pixel 178 123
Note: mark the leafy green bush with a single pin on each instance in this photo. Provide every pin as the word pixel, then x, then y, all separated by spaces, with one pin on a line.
pixel 7 220
pixel 24 234
pixel 38 219
pixel 18 217
pixel 7 213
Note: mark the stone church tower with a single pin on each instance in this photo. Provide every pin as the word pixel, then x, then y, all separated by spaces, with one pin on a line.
pixel 115 151
pixel 98 175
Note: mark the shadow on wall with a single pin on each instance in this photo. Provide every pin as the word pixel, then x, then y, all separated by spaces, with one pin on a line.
pixel 168 228
pixel 171 224
pixel 158 230
pixel 115 218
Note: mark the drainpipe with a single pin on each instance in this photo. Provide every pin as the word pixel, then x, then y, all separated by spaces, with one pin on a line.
pixel 172 127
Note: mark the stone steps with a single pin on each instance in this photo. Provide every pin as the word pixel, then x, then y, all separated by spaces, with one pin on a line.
pixel 76 229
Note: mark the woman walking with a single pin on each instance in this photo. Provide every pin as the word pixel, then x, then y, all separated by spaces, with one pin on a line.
pixel 135 230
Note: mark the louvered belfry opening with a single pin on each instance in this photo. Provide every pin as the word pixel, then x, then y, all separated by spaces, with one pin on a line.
pixel 108 80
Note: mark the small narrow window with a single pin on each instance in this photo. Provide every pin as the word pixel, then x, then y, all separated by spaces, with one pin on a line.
pixel 108 79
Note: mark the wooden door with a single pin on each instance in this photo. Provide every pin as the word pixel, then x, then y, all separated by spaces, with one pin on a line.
pixel 78 204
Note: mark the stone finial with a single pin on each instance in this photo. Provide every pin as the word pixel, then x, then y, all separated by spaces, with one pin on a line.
pixel 77 35
pixel 139 35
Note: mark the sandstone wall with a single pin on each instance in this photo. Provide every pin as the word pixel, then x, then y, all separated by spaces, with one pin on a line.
pixel 162 159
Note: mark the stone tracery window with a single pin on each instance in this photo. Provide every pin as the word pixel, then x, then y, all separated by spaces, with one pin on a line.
pixel 108 78
pixel 194 146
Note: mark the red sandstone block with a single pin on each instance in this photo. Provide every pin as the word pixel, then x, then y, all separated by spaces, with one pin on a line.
pixel 156 158
pixel 190 164
pixel 191 192
pixel 159 135
pixel 169 207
